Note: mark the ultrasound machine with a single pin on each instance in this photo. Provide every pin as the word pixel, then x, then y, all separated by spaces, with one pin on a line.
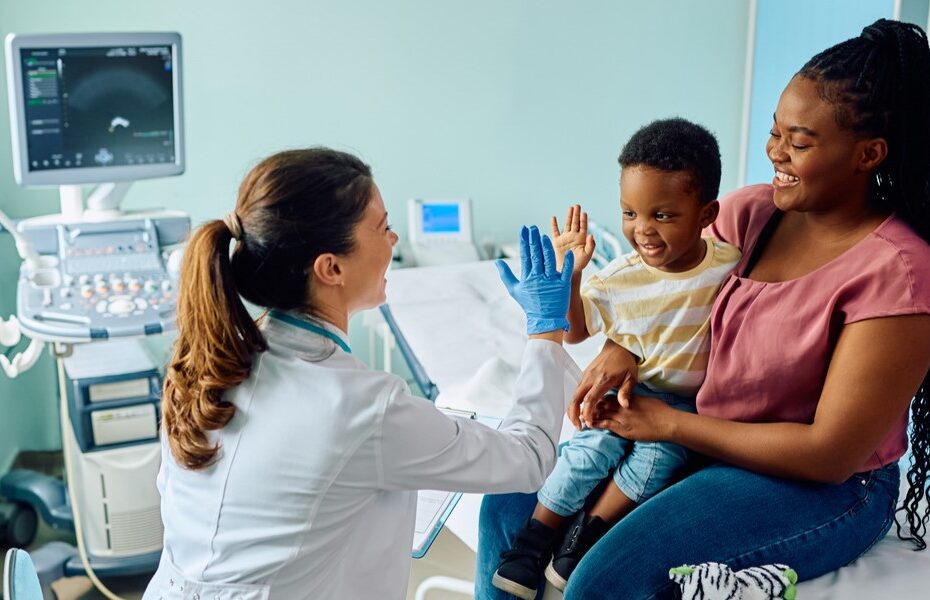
pixel 102 109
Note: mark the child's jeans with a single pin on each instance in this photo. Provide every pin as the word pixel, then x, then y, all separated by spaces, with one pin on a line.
pixel 640 469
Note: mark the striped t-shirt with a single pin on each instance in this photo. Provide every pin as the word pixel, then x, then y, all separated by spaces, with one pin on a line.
pixel 663 318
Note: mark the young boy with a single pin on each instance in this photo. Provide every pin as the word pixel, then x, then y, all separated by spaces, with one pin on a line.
pixel 655 302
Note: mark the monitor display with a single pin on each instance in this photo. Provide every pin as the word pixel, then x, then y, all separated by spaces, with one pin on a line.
pixel 93 108
pixel 441 218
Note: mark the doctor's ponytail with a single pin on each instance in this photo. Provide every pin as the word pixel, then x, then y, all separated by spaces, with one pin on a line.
pixel 217 339
pixel 292 207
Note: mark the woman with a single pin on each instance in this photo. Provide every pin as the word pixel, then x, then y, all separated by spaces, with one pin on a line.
pixel 289 469
pixel 819 341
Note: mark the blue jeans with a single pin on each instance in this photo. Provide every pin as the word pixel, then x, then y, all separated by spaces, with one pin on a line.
pixel 720 513
pixel 645 468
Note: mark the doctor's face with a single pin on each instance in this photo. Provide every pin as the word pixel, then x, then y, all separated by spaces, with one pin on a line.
pixel 368 263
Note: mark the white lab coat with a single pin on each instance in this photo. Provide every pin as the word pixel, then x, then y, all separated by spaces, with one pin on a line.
pixel 313 494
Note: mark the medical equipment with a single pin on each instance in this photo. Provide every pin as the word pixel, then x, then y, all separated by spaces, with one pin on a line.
pixel 111 279
pixel 95 108
pixel 102 108
pixel 440 232
pixel 112 391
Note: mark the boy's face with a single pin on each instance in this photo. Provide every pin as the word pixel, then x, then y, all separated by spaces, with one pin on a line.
pixel 663 217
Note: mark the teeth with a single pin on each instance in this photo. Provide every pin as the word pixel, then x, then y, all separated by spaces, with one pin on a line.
pixel 784 177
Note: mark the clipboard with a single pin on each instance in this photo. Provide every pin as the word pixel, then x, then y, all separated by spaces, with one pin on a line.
pixel 435 506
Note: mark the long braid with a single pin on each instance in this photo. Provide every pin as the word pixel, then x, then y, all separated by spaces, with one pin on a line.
pixel 879 83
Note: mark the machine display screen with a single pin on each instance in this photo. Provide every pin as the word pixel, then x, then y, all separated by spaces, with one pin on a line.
pixel 98 106
pixel 441 218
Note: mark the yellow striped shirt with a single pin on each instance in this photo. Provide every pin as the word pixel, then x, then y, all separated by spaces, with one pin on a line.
pixel 663 318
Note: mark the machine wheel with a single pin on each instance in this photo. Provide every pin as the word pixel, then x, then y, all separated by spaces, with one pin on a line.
pixel 22 523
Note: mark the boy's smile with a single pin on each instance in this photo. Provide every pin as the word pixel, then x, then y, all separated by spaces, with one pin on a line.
pixel 663 217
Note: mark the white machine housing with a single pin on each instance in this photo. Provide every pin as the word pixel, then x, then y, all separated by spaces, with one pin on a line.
pixel 113 390
pixel 440 231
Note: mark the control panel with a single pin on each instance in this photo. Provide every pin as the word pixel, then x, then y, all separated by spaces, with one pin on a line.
pixel 101 280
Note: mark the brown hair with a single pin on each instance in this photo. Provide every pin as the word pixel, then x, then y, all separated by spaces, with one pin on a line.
pixel 292 207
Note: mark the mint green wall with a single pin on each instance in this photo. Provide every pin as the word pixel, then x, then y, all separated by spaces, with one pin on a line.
pixel 520 105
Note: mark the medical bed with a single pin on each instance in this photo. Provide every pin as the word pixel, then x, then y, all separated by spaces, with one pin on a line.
pixel 463 336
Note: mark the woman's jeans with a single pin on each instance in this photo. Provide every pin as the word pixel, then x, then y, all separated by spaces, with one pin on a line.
pixel 720 513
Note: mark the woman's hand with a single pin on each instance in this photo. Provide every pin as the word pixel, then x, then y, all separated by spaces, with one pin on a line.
pixel 573 239
pixel 646 419
pixel 614 367
pixel 544 292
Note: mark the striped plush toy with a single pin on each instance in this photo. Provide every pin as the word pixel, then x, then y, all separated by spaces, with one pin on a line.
pixel 716 581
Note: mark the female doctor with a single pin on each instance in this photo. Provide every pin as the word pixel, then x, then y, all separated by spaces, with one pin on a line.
pixel 289 469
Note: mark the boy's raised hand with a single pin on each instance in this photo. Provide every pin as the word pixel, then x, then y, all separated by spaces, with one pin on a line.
pixel 573 238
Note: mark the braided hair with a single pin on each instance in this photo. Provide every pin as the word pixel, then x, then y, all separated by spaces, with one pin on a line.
pixel 879 84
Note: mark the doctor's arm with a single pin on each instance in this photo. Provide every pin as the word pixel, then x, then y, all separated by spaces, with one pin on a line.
pixel 423 448
pixel 877 366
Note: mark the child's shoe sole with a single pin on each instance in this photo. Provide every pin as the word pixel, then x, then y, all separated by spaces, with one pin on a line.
pixel 555 579
pixel 512 587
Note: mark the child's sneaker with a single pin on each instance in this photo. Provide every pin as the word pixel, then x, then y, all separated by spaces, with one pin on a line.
pixel 581 535
pixel 522 565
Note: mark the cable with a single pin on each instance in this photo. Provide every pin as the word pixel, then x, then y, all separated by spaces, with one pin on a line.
pixel 69 474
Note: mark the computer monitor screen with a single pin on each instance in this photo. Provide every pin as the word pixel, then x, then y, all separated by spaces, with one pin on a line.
pixel 93 108
pixel 441 218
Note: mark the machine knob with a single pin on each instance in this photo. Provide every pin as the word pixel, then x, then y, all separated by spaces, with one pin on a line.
pixel 150 286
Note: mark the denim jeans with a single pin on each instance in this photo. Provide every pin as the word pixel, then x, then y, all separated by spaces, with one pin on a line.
pixel 720 513
pixel 645 468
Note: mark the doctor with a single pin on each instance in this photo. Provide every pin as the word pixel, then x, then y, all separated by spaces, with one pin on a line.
pixel 289 469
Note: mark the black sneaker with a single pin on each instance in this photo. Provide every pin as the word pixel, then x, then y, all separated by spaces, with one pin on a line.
pixel 522 565
pixel 581 535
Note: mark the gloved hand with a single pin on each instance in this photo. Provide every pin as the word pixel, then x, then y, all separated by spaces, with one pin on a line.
pixel 543 293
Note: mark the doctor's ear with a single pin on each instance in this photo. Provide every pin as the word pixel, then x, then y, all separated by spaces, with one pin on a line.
pixel 328 270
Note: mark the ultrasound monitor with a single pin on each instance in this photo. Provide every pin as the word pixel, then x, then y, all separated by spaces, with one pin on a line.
pixel 95 108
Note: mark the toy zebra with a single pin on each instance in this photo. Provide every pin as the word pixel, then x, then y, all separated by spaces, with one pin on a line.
pixel 716 581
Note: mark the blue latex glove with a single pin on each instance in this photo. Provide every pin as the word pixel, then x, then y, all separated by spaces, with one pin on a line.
pixel 543 293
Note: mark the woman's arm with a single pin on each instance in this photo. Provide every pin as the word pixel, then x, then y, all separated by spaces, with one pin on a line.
pixel 876 367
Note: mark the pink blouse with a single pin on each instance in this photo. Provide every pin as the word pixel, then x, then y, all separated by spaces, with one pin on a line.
pixel 771 343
